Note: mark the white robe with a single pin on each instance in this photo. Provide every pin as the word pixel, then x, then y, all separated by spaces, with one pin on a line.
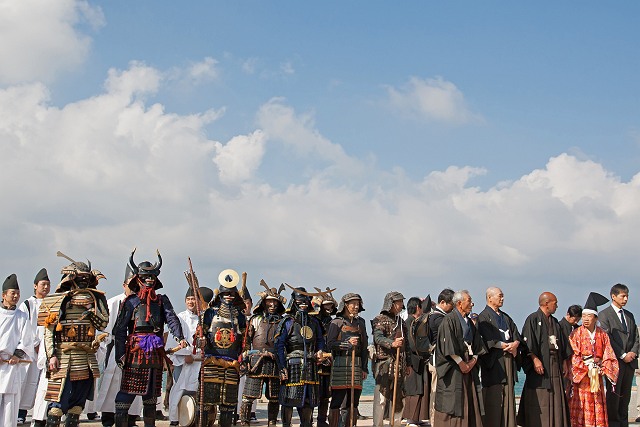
pixel 30 385
pixel 40 406
pixel 109 382
pixel 188 379
pixel 14 334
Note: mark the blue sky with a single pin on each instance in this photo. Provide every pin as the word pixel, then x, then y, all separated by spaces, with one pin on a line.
pixel 364 143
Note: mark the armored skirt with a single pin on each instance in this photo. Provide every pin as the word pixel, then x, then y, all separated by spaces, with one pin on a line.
pixel 342 373
pixel 301 389
pixel 144 362
pixel 262 370
pixel 220 381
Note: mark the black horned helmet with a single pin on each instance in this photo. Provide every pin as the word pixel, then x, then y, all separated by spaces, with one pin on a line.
pixel 78 275
pixel 324 297
pixel 301 296
pixel 270 293
pixel 145 268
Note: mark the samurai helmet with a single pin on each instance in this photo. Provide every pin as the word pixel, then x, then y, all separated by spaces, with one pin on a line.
pixel 324 298
pixel 301 296
pixel 228 280
pixel 145 268
pixel 389 299
pixel 78 275
pixel 345 299
pixel 270 294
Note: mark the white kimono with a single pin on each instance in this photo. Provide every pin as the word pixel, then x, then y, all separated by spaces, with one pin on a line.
pixel 109 382
pixel 14 334
pixel 40 406
pixel 30 385
pixel 188 379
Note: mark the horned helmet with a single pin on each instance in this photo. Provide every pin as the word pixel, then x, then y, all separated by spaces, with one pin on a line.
pixel 301 299
pixel 323 300
pixel 270 294
pixel 145 274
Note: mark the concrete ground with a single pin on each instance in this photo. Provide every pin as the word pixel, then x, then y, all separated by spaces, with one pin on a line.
pixel 365 410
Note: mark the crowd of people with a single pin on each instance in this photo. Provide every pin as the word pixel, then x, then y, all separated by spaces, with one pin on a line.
pixel 73 351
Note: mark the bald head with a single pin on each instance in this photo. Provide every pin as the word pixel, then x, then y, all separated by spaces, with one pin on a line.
pixel 548 303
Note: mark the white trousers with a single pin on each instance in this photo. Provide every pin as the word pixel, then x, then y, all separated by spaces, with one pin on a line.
pixel 8 410
pixel 379 402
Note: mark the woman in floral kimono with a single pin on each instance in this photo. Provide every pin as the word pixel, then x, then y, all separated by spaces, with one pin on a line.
pixel 593 359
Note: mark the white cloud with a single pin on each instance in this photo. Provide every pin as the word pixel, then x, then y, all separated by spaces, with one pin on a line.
pixel 280 122
pixel 239 159
pixel 204 71
pixel 96 177
pixel 40 39
pixel 433 100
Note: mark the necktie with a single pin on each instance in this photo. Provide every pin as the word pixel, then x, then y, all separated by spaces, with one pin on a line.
pixel 624 322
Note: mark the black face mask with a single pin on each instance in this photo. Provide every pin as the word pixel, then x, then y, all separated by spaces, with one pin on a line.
pixel 82 281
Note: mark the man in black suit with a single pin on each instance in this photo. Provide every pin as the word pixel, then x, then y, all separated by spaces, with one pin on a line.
pixel 623 334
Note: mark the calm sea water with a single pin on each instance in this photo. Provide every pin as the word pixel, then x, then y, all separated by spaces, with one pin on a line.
pixel 369 384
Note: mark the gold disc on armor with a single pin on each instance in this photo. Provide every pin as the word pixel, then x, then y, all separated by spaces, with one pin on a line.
pixel 223 338
pixel 228 278
pixel 306 332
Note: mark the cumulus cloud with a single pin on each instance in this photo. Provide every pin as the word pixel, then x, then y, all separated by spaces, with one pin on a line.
pixel 239 159
pixel 40 39
pixel 100 175
pixel 433 100
pixel 280 122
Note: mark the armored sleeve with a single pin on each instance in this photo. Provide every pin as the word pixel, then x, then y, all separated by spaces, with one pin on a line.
pixel 364 342
pixel 173 322
pixel 281 341
pixel 320 343
pixel 99 317
pixel 121 328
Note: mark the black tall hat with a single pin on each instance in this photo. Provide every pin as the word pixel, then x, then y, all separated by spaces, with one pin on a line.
pixel 593 301
pixel 42 275
pixel 10 282
pixel 206 293
pixel 426 304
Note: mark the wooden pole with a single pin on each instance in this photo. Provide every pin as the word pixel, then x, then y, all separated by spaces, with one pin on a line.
pixel 353 384
pixel 395 386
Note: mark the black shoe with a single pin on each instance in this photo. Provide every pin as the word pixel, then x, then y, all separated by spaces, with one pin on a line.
pixel 92 416
pixel 638 420
pixel 253 417
pixel 174 423
pixel 160 416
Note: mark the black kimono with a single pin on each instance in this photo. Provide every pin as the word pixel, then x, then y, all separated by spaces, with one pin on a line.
pixel 543 401
pixel 499 369
pixel 457 394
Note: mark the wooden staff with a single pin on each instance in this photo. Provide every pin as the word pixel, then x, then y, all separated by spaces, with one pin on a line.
pixel 395 386
pixel 192 280
pixel 353 382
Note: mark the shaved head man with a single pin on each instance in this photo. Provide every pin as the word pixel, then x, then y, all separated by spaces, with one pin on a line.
pixel 543 402
pixel 498 367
